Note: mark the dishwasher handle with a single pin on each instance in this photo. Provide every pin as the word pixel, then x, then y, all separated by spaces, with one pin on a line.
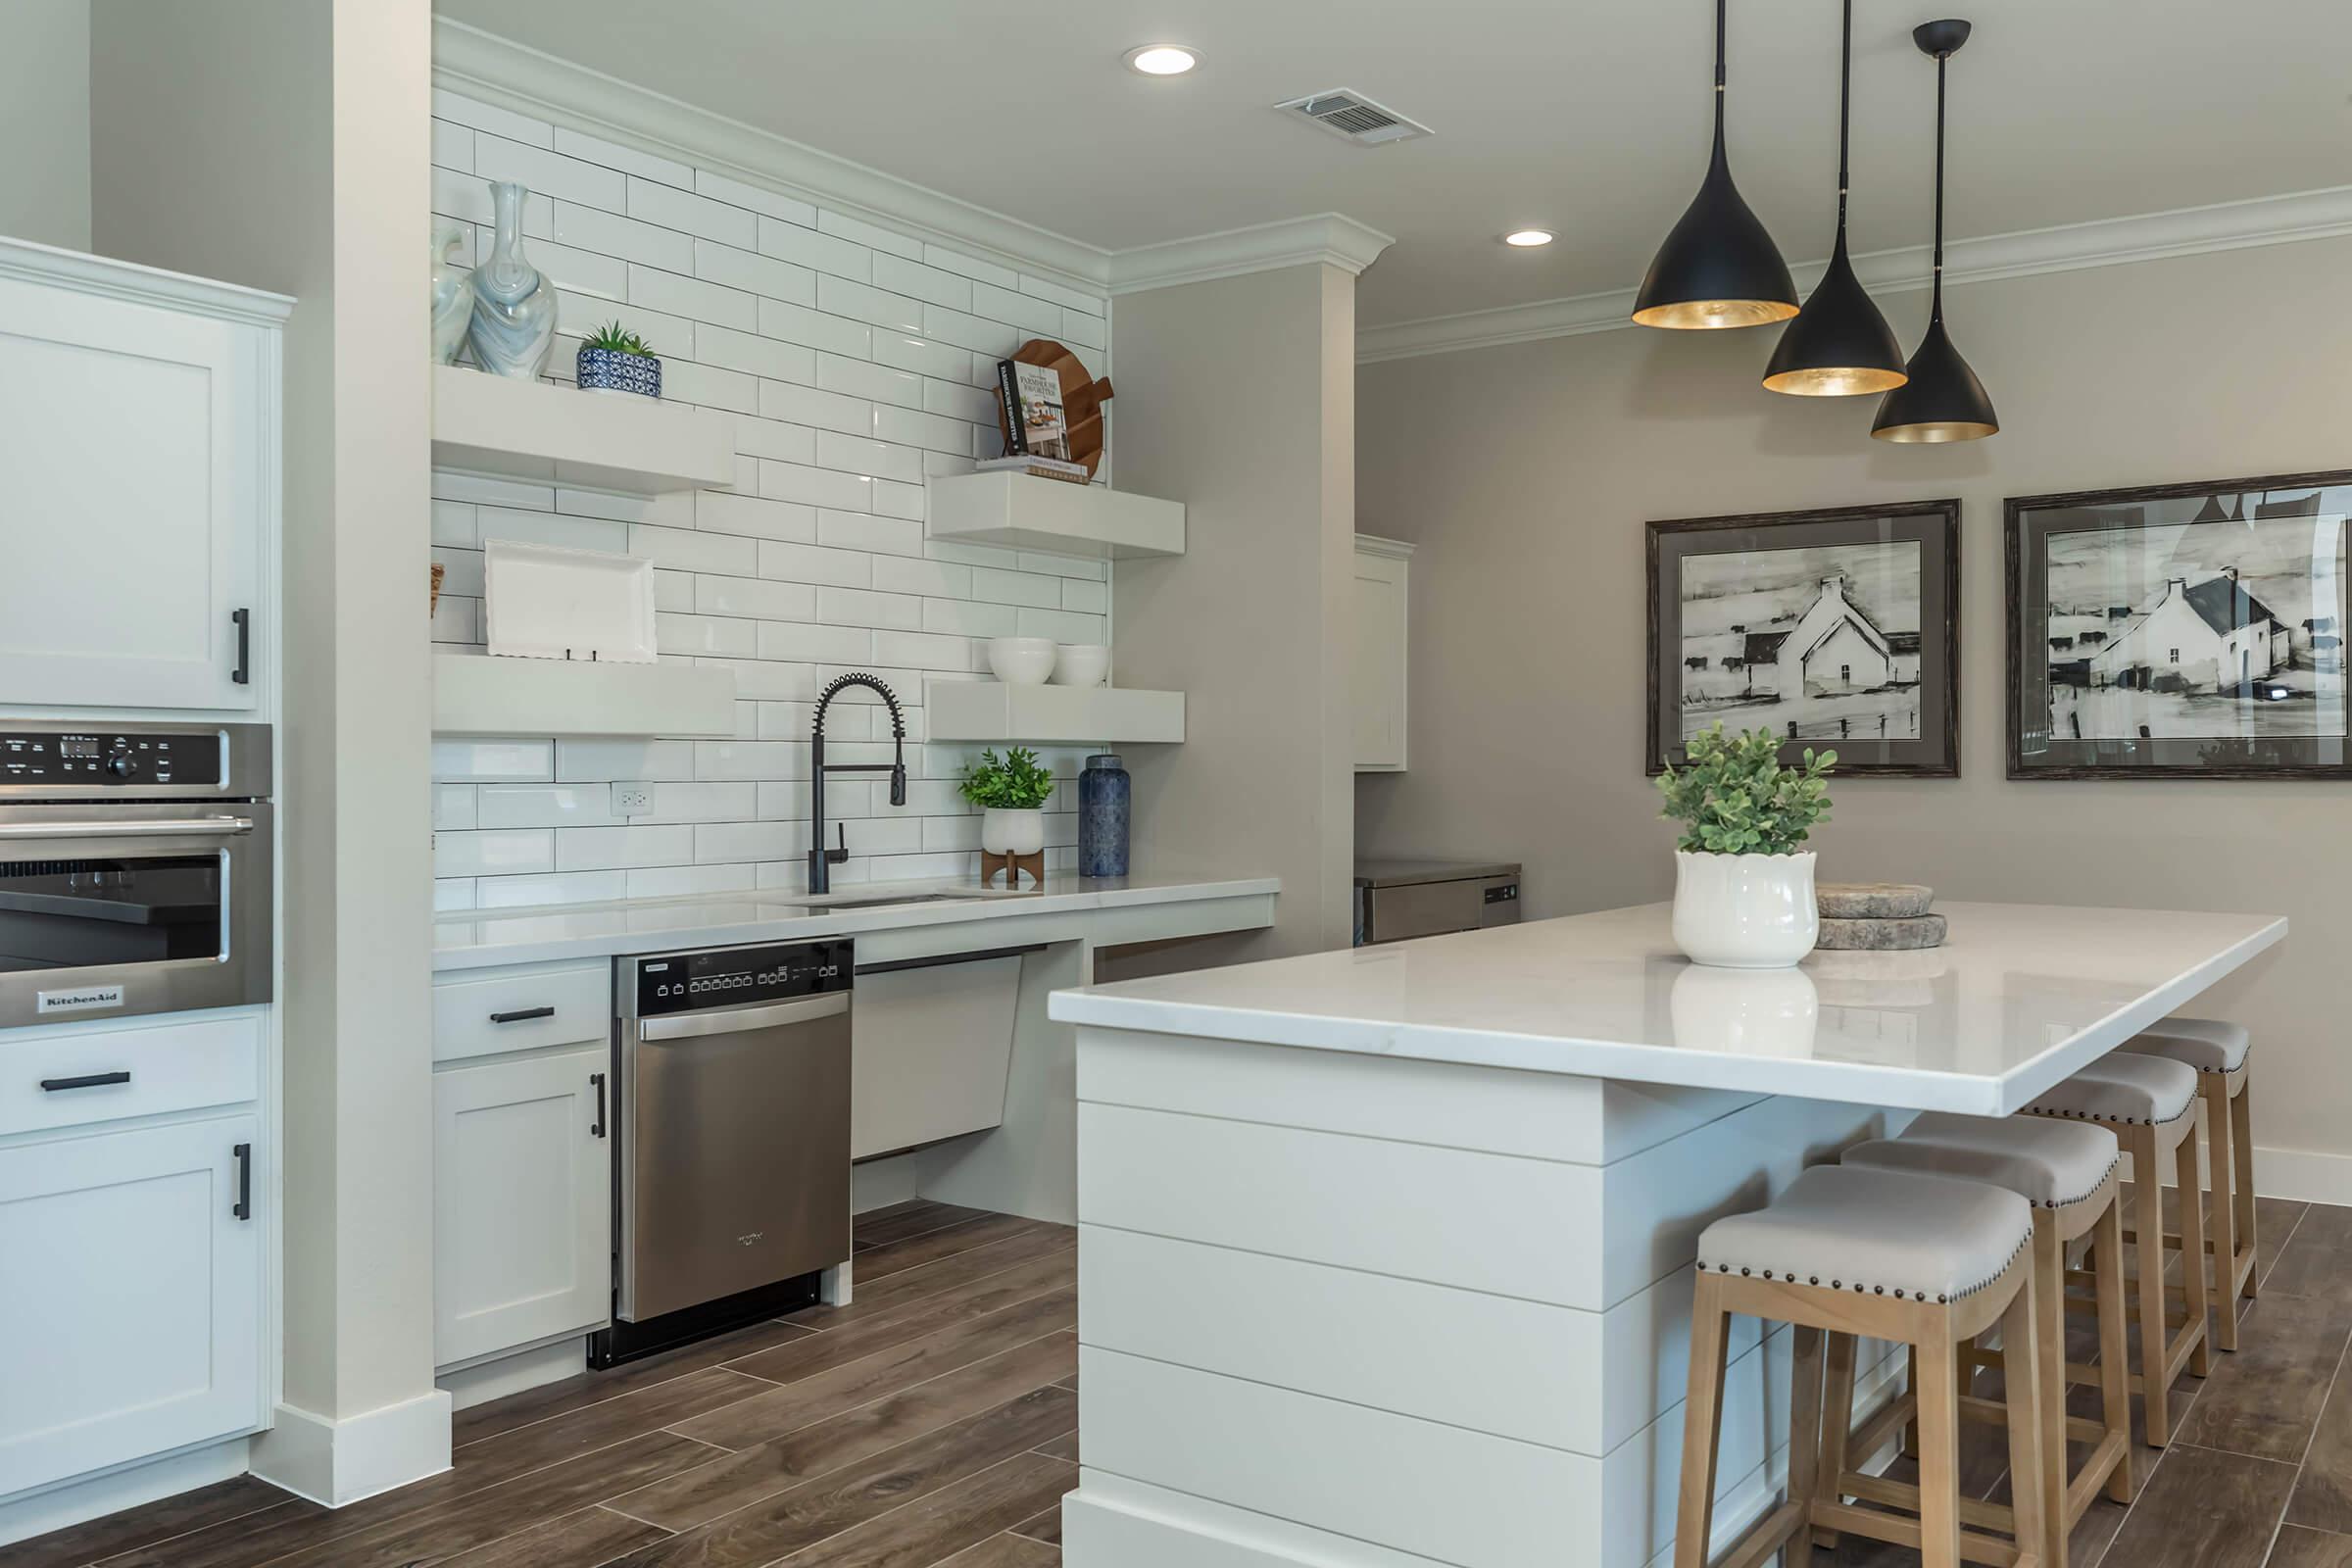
pixel 739 1020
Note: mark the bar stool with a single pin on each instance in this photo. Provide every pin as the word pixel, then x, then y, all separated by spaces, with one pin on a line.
pixel 2069 1173
pixel 1920 1260
pixel 2218 1051
pixel 2151 1106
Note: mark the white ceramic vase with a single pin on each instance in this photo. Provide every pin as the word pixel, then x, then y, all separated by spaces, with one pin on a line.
pixel 452 298
pixel 1744 911
pixel 514 325
pixel 1005 830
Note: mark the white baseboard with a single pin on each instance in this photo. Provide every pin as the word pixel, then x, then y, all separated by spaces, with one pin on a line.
pixel 2302 1175
pixel 339 1462
pixel 533 1368
pixel 127 1488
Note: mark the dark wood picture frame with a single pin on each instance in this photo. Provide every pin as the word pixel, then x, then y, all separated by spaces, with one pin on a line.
pixel 2026 551
pixel 1934 525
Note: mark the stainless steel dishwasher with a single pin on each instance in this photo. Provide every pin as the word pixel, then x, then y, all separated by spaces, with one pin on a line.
pixel 731 1147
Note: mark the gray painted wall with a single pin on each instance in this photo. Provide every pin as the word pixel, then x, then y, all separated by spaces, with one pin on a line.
pixel 45 121
pixel 1525 474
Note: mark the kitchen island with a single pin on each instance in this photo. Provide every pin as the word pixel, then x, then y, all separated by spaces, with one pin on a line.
pixel 1386 1253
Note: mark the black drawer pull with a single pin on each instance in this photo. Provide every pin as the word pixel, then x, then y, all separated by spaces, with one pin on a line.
pixel 91 1080
pixel 243 674
pixel 243 1208
pixel 597 1128
pixel 521 1013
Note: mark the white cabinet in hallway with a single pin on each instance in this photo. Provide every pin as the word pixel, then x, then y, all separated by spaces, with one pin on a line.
pixel 522 1193
pixel 144 1334
pixel 139 431
pixel 1377 672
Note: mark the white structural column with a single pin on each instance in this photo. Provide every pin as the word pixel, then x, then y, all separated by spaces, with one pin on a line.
pixel 281 143
pixel 1354 1309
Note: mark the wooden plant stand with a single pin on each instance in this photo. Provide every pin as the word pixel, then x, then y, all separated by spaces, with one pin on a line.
pixel 1012 865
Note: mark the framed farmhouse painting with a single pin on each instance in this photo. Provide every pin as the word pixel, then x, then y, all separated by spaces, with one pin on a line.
pixel 1836 628
pixel 2180 631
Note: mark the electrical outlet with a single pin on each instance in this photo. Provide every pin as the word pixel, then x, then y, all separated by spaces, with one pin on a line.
pixel 632 800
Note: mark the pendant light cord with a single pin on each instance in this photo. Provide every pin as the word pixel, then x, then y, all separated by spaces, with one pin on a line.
pixel 1935 313
pixel 1845 88
pixel 1719 32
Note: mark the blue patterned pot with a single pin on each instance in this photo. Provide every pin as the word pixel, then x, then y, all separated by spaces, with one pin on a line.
pixel 611 370
pixel 1103 794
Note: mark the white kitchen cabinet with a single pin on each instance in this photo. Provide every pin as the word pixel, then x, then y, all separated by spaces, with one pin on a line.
pixel 134 1322
pixel 1377 672
pixel 139 432
pixel 522 1201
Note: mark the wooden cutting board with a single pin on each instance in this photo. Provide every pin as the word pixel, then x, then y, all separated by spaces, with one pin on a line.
pixel 1082 400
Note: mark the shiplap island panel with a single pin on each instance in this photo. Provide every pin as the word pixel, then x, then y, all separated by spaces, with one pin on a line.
pixel 1387 1253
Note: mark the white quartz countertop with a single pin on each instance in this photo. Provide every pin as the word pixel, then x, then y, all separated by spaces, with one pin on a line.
pixel 2019 997
pixel 485 939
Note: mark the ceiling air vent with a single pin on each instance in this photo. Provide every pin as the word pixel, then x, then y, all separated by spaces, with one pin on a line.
pixel 1353 117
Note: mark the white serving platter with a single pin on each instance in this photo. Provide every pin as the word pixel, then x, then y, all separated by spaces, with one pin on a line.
pixel 545 602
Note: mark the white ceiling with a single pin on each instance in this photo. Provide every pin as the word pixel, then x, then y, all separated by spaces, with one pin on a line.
pixel 1588 117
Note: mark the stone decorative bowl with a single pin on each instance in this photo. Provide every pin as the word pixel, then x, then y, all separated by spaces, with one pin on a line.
pixel 1881 936
pixel 611 370
pixel 1873 901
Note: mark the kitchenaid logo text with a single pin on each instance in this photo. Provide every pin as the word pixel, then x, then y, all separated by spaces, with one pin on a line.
pixel 77 1001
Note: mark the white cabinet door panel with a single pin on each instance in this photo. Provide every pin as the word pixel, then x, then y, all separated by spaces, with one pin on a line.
pixel 523 1202
pixel 134 439
pixel 129 1298
pixel 1377 669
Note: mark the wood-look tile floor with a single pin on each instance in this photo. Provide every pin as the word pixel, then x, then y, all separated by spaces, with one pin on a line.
pixel 933 1423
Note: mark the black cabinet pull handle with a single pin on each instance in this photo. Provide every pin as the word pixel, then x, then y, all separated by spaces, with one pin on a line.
pixel 521 1013
pixel 243 674
pixel 597 1130
pixel 243 1209
pixel 88 1080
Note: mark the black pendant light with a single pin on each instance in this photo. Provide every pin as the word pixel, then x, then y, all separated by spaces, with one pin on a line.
pixel 1839 346
pixel 1718 267
pixel 1943 401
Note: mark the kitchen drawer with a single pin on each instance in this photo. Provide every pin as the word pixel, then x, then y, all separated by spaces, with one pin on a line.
pixel 521 1009
pixel 178 1066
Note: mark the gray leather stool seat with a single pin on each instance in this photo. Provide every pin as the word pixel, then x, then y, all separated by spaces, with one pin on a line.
pixel 1877 1232
pixel 2209 1045
pixel 2047 1163
pixel 2121 1087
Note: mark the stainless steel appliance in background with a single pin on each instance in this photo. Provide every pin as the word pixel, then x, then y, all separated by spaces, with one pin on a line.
pixel 1396 901
pixel 134 870
pixel 731 1145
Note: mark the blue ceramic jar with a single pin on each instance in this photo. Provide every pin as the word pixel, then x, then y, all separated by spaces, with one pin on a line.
pixel 1104 792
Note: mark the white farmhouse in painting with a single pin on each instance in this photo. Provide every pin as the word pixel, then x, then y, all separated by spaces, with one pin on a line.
pixel 1833 648
pixel 2207 638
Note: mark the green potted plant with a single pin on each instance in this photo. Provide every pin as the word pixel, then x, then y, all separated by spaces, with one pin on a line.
pixel 1744 882
pixel 615 360
pixel 1012 795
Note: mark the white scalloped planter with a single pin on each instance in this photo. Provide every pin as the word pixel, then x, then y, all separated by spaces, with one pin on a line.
pixel 1744 911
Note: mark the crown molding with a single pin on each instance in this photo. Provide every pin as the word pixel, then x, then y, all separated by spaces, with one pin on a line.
pixel 2071 247
pixel 500 71
pixel 141 284
pixel 1329 237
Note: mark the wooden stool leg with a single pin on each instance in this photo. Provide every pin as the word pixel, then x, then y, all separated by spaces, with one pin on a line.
pixel 1939 1453
pixel 2221 1163
pixel 1910 1444
pixel 2241 1128
pixel 2193 1245
pixel 2147 1225
pixel 2115 1371
pixel 1838 1426
pixel 1702 1415
pixel 2032 1429
pixel 1805 1426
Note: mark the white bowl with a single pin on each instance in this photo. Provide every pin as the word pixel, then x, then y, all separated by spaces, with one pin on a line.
pixel 1081 664
pixel 1021 661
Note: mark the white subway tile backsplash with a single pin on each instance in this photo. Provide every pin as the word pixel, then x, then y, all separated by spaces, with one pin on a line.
pixel 858 362
pixel 672 208
pixel 740 267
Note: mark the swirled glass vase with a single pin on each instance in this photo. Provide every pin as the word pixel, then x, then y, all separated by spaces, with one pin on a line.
pixel 452 298
pixel 514 325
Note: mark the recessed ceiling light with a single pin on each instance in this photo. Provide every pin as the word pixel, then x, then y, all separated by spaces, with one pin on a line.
pixel 1161 59
pixel 1528 237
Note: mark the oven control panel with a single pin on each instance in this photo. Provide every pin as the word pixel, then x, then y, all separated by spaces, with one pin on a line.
pixel 726 977
pixel 108 758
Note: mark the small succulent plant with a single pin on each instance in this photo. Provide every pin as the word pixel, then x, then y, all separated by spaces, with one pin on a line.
pixel 1733 796
pixel 615 339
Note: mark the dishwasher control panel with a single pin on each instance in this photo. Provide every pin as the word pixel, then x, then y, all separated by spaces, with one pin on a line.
pixel 726 977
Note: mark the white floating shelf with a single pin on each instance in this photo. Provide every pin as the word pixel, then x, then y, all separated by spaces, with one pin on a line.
pixel 600 441
pixel 477 695
pixel 1025 513
pixel 1062 716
